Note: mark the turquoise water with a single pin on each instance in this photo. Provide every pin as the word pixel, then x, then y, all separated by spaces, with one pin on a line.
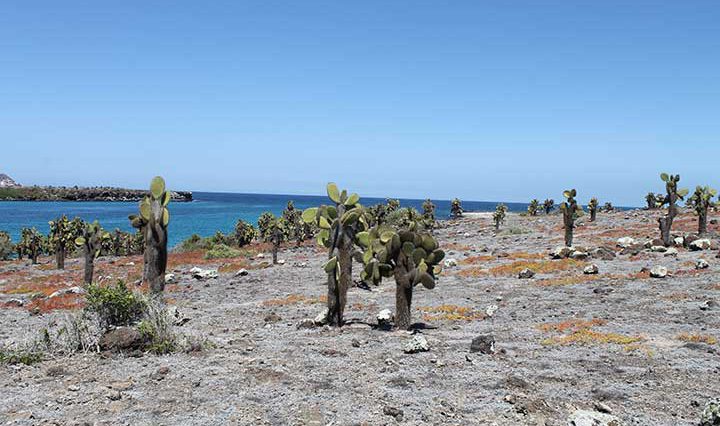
pixel 209 212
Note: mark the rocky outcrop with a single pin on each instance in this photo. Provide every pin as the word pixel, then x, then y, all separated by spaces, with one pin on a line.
pixel 7 182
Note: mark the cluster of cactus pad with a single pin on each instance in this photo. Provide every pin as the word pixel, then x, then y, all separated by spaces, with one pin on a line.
pixel 274 230
pixel 456 209
pixel 91 240
pixel 593 208
pixel 62 237
pixel 673 194
pixel 701 201
pixel 410 255
pixel 6 246
pixel 31 245
pixel 548 205
pixel 153 222
pixel 571 211
pixel 499 215
pixel 245 233
pixel 339 225
pixel 533 207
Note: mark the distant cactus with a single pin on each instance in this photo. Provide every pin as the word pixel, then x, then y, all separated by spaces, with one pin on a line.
pixel 701 201
pixel 593 208
pixel 651 201
pixel 245 233
pixel 533 207
pixel 6 246
pixel 456 209
pixel 571 211
pixel 409 255
pixel 339 226
pixel 392 205
pixel 91 240
pixel 428 213
pixel 62 236
pixel 275 231
pixel 153 222
pixel 403 217
pixel 549 205
pixel 31 244
pixel 294 223
pixel 673 194
pixel 499 215
pixel 607 207
pixel 376 214
pixel 264 222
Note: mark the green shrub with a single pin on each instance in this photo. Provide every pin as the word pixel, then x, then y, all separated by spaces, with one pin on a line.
pixel 245 233
pixel 114 305
pixel 25 356
pixel 222 251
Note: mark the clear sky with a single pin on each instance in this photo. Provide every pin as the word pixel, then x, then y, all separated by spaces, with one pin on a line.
pixel 502 100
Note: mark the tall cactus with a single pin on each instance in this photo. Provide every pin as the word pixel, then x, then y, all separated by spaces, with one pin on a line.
pixel 91 240
pixel 294 223
pixel 593 208
pixel 31 244
pixel 275 230
pixel 6 246
pixel 701 201
pixel 428 214
pixel 153 222
pixel 651 201
pixel 409 255
pixel 571 211
pixel 339 226
pixel 456 208
pixel 548 205
pixel 673 194
pixel 62 237
pixel 533 207
pixel 499 215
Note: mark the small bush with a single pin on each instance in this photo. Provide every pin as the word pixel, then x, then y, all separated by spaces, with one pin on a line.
pixel 115 305
pixel 222 251
pixel 20 356
pixel 157 329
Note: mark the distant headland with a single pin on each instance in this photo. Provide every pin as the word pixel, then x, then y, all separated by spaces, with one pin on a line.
pixel 12 191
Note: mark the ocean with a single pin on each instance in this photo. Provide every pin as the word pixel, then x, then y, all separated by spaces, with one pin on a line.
pixel 208 213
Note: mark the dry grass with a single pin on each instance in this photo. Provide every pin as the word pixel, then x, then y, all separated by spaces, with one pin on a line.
pixel 697 338
pixel 456 247
pixel 677 297
pixel 581 333
pixel 477 259
pixel 451 313
pixel 567 280
pixel 512 269
pixel 62 302
pixel 295 299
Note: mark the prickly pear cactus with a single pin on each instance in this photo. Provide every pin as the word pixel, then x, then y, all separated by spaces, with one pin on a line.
pixel 701 201
pixel 91 240
pixel 549 205
pixel 409 255
pixel 456 209
pixel 571 211
pixel 62 237
pixel 673 194
pixel 153 222
pixel 593 208
pixel 31 244
pixel 428 214
pixel 245 233
pixel 534 207
pixel 339 224
pixel 499 215
pixel 275 230
pixel 6 246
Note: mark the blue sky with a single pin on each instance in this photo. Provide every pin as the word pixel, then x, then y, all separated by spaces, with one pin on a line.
pixel 477 99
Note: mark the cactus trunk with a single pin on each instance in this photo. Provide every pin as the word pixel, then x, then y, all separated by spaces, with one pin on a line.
pixel 60 257
pixel 702 220
pixel 155 257
pixel 89 267
pixel 403 292
pixel 568 235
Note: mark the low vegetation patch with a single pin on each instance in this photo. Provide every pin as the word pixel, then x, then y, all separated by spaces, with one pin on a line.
pixel 512 269
pixel 115 305
pixel 580 332
pixel 295 299
pixel 451 313
pixel 567 280
pixel 13 356
pixel 697 338
pixel 222 251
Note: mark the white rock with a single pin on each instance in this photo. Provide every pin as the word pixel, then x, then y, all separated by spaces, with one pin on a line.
pixel 578 255
pixel 702 264
pixel 701 244
pixel 69 290
pixel 626 242
pixel 385 317
pixel 672 251
pixel 321 318
pixel 242 272
pixel 466 235
pixel 658 249
pixel 170 278
pixel 679 241
pixel 592 418
pixel 561 252
pixel 260 256
pixel 418 343
pixel 281 262
pixel 591 269
pixel 658 272
pixel 203 274
pixel 490 311
pixel 449 263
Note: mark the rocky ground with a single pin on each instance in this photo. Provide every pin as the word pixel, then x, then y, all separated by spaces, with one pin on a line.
pixel 569 347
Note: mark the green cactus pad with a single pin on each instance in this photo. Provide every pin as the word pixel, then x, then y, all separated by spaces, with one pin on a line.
pixel 331 265
pixel 352 200
pixel 309 215
pixel 333 193
pixel 157 187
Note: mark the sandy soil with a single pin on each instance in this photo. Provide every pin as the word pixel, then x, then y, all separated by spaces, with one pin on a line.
pixel 565 341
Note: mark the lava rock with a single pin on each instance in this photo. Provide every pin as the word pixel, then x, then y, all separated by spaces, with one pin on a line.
pixel 526 274
pixel 484 344
pixel 658 272
pixel 121 339
pixel 591 270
